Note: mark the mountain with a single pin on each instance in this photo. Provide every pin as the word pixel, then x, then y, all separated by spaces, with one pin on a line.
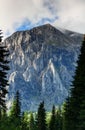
pixel 42 64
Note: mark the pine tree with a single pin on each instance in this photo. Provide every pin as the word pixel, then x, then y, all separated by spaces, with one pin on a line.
pixel 81 117
pixel 75 106
pixel 66 115
pixel 16 108
pixel 67 122
pixel 36 121
pixel 24 122
pixel 31 122
pixel 41 117
pixel 4 53
pixel 52 125
pixel 58 125
pixel 81 124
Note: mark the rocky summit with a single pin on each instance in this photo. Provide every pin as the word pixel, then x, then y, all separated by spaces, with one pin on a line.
pixel 42 64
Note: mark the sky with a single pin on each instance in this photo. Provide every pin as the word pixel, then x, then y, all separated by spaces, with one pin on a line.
pixel 25 14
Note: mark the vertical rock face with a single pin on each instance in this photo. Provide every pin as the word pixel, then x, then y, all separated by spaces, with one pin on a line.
pixel 43 61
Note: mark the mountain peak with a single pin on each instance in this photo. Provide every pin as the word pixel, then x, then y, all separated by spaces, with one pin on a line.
pixel 42 63
pixel 46 25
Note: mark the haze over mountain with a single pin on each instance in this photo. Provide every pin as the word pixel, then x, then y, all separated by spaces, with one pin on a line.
pixel 43 61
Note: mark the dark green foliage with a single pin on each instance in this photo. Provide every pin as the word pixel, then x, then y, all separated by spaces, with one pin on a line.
pixel 31 122
pixel 36 121
pixel 6 124
pixel 24 122
pixel 13 121
pixel 3 73
pixel 41 117
pixel 58 119
pixel 75 107
pixel 16 108
pixel 66 115
pixel 81 124
pixel 52 125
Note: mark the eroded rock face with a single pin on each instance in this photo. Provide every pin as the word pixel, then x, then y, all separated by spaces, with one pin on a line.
pixel 43 61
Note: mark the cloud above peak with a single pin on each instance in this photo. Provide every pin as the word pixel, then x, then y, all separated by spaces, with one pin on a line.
pixel 17 14
pixel 72 15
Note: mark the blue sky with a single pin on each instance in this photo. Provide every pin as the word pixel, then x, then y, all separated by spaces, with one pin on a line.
pixel 25 14
pixel 27 25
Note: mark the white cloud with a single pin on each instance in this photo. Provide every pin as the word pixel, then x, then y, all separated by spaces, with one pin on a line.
pixel 71 13
pixel 13 12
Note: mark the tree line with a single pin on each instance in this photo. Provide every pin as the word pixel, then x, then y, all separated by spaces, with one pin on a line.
pixel 40 120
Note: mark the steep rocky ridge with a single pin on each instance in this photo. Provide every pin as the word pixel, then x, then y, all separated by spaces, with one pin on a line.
pixel 43 61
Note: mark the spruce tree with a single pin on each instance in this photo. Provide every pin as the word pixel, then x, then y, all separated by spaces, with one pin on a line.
pixel 24 121
pixel 58 125
pixel 52 125
pixel 75 106
pixel 36 121
pixel 41 117
pixel 81 117
pixel 4 67
pixel 31 122
pixel 16 108
pixel 66 115
pixel 81 124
